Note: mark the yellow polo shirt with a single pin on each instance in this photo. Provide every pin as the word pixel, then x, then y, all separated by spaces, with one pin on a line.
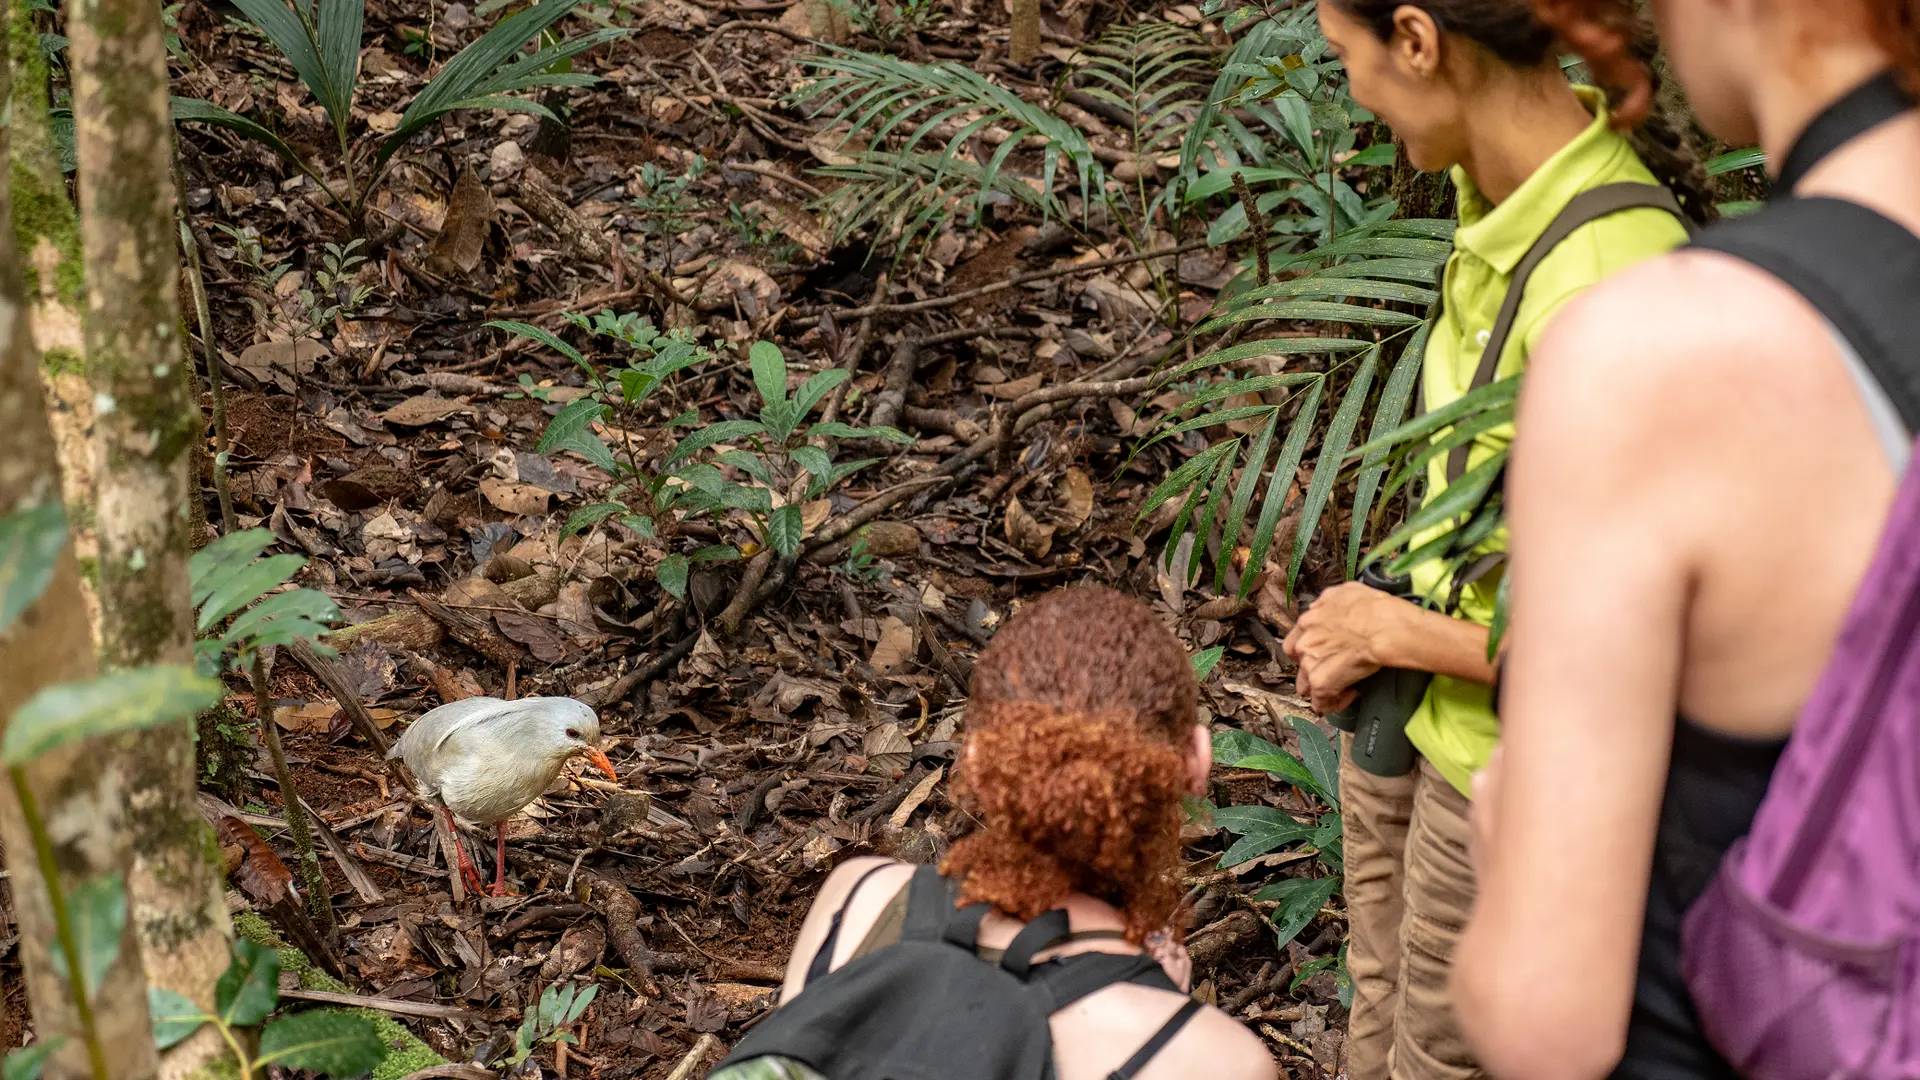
pixel 1455 726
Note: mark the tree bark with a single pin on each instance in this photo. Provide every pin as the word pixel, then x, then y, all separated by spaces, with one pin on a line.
pixel 1026 32
pixel 52 643
pixel 1420 194
pixel 147 428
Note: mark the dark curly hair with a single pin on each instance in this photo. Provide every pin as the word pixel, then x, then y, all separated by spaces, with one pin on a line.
pixel 1603 33
pixel 1081 710
pixel 1518 35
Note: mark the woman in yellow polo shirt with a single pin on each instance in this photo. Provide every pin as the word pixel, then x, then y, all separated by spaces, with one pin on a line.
pixel 1473 86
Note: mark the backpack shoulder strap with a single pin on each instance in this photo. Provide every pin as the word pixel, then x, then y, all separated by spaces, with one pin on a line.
pixel 823 959
pixel 1157 1043
pixel 1583 209
pixel 1860 269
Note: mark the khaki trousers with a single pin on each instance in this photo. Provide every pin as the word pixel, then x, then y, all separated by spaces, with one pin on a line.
pixel 1409 889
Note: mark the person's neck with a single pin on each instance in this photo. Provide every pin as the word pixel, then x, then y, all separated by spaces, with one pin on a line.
pixel 1528 118
pixel 1784 107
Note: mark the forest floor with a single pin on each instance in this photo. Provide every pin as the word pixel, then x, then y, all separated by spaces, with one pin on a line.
pixel 393 444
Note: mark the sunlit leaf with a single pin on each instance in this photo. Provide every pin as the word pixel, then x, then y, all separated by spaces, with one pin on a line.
pixel 126 700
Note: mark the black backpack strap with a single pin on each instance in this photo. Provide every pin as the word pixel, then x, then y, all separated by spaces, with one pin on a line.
pixel 1047 930
pixel 1582 210
pixel 823 959
pixel 1860 269
pixel 1157 1043
pixel 1862 109
pixel 1071 978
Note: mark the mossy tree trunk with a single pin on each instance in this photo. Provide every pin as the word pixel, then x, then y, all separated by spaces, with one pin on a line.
pixel 146 428
pixel 83 805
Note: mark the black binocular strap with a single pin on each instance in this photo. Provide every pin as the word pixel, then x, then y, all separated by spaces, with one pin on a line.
pixel 822 961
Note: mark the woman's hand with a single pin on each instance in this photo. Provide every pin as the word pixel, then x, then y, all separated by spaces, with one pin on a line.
pixel 1173 958
pixel 1343 638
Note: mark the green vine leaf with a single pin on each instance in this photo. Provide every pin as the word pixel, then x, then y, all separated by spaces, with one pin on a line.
pixel 30 546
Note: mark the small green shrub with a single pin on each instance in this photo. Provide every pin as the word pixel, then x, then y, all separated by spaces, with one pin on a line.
pixel 756 472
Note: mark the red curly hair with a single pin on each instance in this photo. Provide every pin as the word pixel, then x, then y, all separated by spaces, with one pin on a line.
pixel 1080 715
pixel 1602 31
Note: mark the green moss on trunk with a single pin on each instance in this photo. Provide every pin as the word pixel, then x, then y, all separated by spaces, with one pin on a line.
pixel 41 208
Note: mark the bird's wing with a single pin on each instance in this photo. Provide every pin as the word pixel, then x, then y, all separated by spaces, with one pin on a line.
pixel 427 734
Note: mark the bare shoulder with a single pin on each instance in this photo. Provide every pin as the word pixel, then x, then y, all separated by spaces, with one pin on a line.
pixel 1670 348
pixel 1232 1052
pixel 888 877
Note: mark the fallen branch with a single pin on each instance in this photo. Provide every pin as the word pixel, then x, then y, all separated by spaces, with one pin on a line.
pixel 414 629
pixel 385 1005
pixel 1020 279
pixel 581 239
pixel 705 1045
pixel 776 174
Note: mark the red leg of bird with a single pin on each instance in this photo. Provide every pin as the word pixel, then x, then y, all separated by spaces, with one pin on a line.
pixel 468 872
pixel 500 861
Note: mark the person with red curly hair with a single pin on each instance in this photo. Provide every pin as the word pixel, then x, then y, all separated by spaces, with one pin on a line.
pixel 1708 456
pixel 1081 740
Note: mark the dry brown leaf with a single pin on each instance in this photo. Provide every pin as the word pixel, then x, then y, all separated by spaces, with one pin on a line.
pixel 257 870
pixel 1076 499
pixel 476 591
pixel 813 515
pixel 312 716
pixel 515 498
pixel 895 646
pixel 890 539
pixel 1025 532
pixel 733 283
pixel 463 236
pixel 282 363
pixel 1249 424
pixel 383 122
pixel 887 749
pixel 536 633
pixel 1008 391
pixel 914 798
pixel 423 409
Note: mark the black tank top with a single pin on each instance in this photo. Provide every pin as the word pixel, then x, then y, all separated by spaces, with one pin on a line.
pixel 1714 787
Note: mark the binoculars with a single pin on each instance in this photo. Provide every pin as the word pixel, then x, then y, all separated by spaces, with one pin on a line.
pixel 1385 701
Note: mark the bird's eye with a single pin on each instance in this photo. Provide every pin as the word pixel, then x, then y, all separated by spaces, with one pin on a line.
pixel 573 733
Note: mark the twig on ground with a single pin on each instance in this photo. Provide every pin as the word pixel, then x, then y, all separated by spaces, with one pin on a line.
pixel 701 1048
pixel 1019 279
pixel 775 174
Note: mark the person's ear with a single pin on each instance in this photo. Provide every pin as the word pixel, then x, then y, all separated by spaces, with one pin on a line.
pixel 1199 760
pixel 1415 44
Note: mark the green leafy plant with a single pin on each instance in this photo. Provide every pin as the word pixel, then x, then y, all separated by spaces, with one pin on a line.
pixel 231 579
pixel 321 39
pixel 887 21
pixel 331 1042
pixel 1265 829
pixel 668 205
pixel 335 295
pixel 1337 284
pixel 558 1007
pixel 705 474
pixel 90 918
pixel 905 187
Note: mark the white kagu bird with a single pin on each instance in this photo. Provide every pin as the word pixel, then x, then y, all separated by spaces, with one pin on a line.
pixel 485 759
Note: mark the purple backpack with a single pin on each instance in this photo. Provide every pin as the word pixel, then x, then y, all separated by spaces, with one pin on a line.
pixel 1803 955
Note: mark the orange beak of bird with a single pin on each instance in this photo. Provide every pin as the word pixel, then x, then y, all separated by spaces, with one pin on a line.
pixel 600 762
